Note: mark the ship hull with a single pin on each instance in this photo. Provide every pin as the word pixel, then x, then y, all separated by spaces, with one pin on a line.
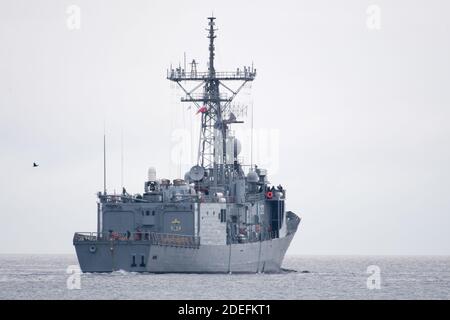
pixel 265 256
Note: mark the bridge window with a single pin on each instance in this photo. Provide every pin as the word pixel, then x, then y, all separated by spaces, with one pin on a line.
pixel 223 215
pixel 147 213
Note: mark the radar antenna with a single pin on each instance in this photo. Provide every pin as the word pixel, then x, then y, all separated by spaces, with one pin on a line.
pixel 213 106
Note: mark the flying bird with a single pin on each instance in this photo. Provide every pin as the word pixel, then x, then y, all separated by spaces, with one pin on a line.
pixel 35 165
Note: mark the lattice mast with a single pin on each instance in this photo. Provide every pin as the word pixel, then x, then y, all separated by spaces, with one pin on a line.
pixel 213 106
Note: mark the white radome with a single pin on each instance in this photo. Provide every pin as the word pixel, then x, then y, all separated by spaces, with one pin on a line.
pixel 237 147
pixel 252 177
pixel 151 174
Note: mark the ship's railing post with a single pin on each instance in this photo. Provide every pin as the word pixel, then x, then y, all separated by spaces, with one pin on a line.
pixel 164 239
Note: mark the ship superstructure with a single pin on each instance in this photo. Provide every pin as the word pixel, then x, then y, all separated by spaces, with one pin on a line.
pixel 217 218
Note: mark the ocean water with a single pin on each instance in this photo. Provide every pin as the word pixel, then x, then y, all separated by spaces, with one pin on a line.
pixel 310 277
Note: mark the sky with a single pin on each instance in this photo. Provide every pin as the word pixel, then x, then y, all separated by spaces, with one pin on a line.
pixel 350 103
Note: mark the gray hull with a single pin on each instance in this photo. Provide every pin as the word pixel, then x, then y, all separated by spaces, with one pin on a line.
pixel 104 256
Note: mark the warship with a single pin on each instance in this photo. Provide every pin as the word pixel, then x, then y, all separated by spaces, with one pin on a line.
pixel 223 216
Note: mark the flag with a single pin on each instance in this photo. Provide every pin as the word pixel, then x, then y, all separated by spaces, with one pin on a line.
pixel 202 110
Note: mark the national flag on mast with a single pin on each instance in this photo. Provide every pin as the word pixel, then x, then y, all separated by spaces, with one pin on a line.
pixel 202 110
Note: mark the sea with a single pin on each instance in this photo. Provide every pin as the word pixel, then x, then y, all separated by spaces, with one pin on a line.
pixel 303 277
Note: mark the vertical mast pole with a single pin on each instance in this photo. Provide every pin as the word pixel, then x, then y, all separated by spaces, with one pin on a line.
pixel 104 163
pixel 211 37
pixel 215 102
pixel 121 158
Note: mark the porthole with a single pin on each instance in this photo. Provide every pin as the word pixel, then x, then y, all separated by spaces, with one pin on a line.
pixel 92 249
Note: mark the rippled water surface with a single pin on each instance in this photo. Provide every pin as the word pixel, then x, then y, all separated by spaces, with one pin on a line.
pixel 312 277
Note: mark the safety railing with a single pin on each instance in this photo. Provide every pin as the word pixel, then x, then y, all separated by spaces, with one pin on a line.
pixel 119 198
pixel 175 74
pixel 253 237
pixel 212 198
pixel 162 239
pixel 255 197
pixel 203 97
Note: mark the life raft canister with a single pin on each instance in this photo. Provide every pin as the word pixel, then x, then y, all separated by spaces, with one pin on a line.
pixel 269 194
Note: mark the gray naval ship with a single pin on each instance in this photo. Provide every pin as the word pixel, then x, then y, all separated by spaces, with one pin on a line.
pixel 222 217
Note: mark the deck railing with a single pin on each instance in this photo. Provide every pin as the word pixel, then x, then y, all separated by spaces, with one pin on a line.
pixel 161 239
pixel 178 75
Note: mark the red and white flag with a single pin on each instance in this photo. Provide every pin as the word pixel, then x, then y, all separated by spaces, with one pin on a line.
pixel 202 110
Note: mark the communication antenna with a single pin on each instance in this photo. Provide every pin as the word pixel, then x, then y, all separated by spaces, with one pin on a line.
pixel 251 141
pixel 121 158
pixel 104 163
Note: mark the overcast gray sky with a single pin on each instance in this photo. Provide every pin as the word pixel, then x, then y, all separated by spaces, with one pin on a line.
pixel 360 115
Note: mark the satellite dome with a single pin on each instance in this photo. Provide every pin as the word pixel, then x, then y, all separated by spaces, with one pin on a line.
pixel 196 173
pixel 237 147
pixel 252 177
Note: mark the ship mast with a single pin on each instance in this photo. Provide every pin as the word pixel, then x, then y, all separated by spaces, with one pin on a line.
pixel 213 106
